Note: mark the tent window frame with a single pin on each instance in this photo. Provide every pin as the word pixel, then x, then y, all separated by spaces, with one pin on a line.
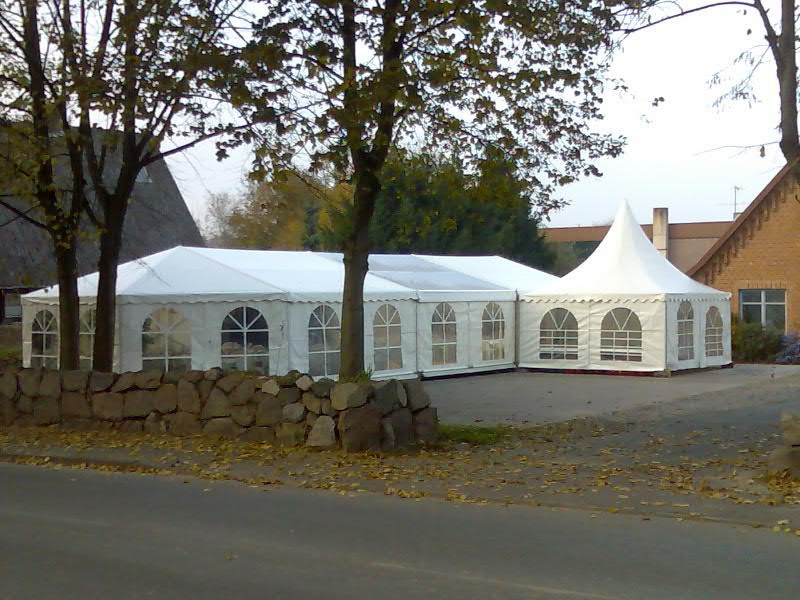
pixel 621 336
pixel 685 331
pixel 444 336
pixel 88 325
pixel 168 328
pixel 387 339
pixel 714 333
pixel 248 328
pixel 558 336
pixel 44 340
pixel 493 333
pixel 324 326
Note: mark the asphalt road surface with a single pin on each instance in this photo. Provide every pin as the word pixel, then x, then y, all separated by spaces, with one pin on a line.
pixel 82 534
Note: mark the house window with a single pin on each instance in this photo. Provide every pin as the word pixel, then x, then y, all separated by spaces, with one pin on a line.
pixel 767 307
pixel 324 341
pixel 386 332
pixel 685 331
pixel 493 333
pixel 621 336
pixel 245 341
pixel 713 332
pixel 166 341
pixel 558 335
pixel 443 335
pixel 44 340
pixel 86 338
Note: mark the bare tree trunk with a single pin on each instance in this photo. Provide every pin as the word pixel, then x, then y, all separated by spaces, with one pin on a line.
pixel 787 82
pixel 68 305
pixel 110 245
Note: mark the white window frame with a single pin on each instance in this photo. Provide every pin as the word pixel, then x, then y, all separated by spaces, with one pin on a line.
pixel 685 331
pixel 88 325
pixel 387 318
pixel 167 329
pixel 444 315
pixel 248 325
pixel 45 324
pixel 324 318
pixel 561 342
pixel 493 345
pixel 621 344
pixel 714 332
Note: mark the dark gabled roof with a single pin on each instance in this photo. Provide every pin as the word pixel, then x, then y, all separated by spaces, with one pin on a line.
pixel 745 216
pixel 157 219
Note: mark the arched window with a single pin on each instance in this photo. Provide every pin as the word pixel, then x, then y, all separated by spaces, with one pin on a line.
pixel 558 335
pixel 386 331
pixel 245 341
pixel 713 332
pixel 493 333
pixel 685 331
pixel 443 335
pixel 324 340
pixel 86 337
pixel 166 341
pixel 44 340
pixel 621 336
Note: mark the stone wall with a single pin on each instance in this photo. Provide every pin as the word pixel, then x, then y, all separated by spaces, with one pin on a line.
pixel 290 409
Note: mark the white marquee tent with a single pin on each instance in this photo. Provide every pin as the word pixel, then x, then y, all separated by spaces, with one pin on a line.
pixel 274 311
pixel 626 308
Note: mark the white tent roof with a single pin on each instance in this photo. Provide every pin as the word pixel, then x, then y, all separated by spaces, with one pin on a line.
pixel 624 264
pixel 196 274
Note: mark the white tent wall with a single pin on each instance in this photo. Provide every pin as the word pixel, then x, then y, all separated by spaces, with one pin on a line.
pixel 530 319
pixel 407 310
pixel 700 307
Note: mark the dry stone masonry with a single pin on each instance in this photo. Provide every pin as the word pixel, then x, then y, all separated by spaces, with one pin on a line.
pixel 787 456
pixel 291 409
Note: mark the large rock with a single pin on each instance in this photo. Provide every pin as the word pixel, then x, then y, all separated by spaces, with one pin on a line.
pixel 8 385
pixel 183 423
pixel 193 376
pixel 350 395
pixel 126 381
pixel 417 396
pixel 326 408
pixel 222 427
pixel 388 396
pixel 50 385
pixel 291 434
pixel 155 424
pixel 426 425
pixel 188 397
pixel 75 381
pixel 289 395
pixel 107 406
pixel 165 398
pixel 100 382
pixel 244 415
pixel 294 413
pixel 132 426
pixel 304 382
pixel 387 434
pixel 138 403
pixel 214 374
pixel 785 458
pixel 312 402
pixel 204 388
pixel 288 380
pixel 148 380
pixel 271 387
pixel 323 434
pixel 228 383
pixel 29 380
pixel 8 412
pixel 244 392
pixel 269 411
pixel 360 429
pixel 46 411
pixel 75 405
pixel 323 387
pixel 25 405
pixel 259 434
pixel 790 427
pixel 217 405
pixel 402 427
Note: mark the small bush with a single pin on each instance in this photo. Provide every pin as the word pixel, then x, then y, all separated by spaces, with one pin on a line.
pixel 474 434
pixel 361 377
pixel 790 350
pixel 750 342
pixel 10 357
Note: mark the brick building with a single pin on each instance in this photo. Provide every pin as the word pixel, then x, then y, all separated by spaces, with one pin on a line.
pixel 757 259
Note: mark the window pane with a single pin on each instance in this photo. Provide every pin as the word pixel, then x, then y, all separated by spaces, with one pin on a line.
pixel 775 295
pixel 153 364
pixel 381 360
pixel 333 362
pixel 85 343
pixel 257 342
pixel 258 364
pixel 751 313
pixel 232 343
pixel 179 344
pixel 380 337
pixel 37 343
pixel 437 333
pixel 316 341
pixel 395 358
pixel 180 364
pixel 334 340
pixel 776 316
pixel 153 344
pixel 437 357
pixel 450 332
pixel 487 330
pixel 233 364
pixel 50 344
pixel 316 364
pixel 86 364
pixel 750 295
pixel 450 354
pixel 394 336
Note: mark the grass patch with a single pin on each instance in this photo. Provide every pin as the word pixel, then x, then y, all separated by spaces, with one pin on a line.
pixel 10 357
pixel 477 435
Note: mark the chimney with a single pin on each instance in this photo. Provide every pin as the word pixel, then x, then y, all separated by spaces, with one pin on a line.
pixel 661 230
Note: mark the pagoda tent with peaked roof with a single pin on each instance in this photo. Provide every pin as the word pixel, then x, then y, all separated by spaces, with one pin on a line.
pixel 626 308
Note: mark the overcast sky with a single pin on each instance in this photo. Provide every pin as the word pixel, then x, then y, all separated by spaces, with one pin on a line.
pixel 673 156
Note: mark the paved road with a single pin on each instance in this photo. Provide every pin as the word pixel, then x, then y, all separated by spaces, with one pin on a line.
pixel 82 534
pixel 523 398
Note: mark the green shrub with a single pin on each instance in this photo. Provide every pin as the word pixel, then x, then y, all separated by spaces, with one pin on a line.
pixel 10 357
pixel 750 342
